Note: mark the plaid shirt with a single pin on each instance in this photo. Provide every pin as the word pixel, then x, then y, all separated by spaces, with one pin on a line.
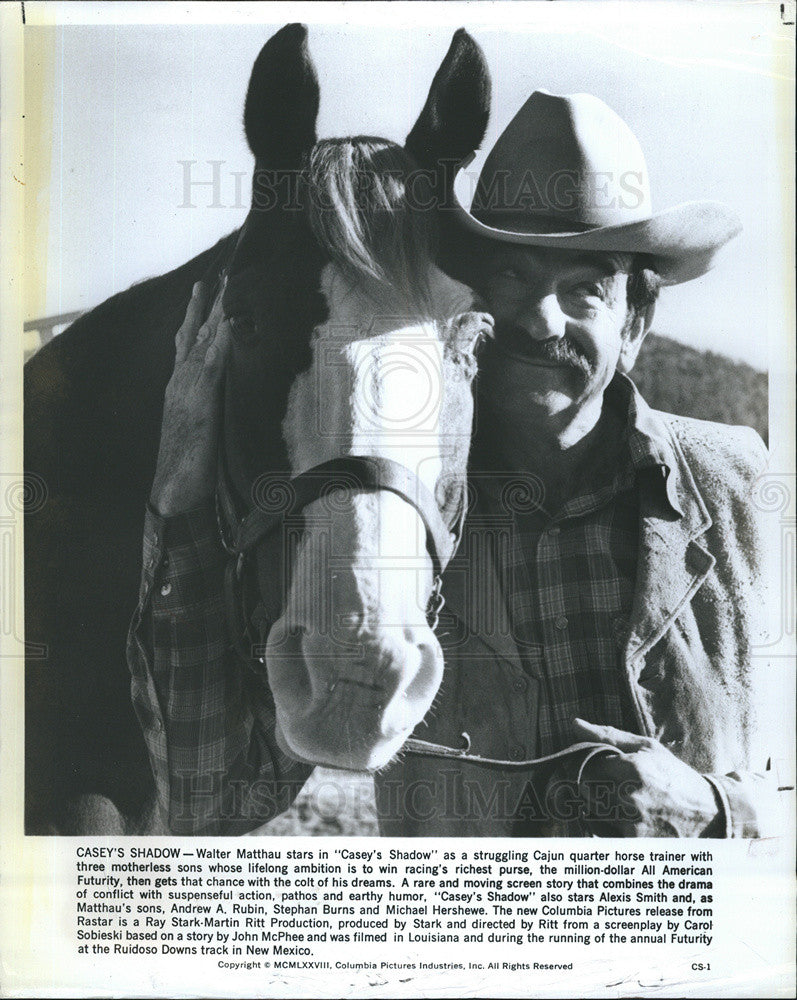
pixel 570 576
pixel 208 721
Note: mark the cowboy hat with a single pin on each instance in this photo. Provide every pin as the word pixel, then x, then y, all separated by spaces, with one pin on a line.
pixel 568 173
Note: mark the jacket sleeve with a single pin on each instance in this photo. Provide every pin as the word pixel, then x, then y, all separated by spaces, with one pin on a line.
pixel 208 720
pixel 750 805
pixel 753 801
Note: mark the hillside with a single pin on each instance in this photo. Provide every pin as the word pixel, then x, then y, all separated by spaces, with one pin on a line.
pixel 680 379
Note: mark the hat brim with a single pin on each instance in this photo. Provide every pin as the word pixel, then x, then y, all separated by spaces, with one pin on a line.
pixel 683 240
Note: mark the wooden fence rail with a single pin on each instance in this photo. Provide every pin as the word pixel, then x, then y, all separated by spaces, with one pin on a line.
pixel 46 328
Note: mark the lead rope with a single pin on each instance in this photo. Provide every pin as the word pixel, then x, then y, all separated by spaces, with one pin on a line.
pixel 422 748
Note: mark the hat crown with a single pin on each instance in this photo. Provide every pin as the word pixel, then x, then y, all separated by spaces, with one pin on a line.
pixel 568 173
pixel 564 163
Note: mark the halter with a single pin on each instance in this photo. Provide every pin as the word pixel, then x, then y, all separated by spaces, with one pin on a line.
pixel 239 536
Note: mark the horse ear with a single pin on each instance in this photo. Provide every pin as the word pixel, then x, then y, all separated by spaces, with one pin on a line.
pixel 454 118
pixel 282 101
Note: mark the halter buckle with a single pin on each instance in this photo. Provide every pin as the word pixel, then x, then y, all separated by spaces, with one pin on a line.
pixel 435 603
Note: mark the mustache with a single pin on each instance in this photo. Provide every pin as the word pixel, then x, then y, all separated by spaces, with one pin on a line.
pixel 558 351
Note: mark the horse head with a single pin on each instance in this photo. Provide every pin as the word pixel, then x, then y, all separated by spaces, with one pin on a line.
pixel 348 401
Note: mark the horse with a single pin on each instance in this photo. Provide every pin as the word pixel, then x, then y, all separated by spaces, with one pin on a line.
pixel 349 383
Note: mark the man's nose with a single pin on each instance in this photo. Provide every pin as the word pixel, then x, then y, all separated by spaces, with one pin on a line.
pixel 542 318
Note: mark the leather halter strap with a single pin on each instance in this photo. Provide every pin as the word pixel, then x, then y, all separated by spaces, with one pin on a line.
pixel 347 473
pixel 240 535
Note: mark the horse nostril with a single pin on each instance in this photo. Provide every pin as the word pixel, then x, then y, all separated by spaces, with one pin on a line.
pixel 422 686
pixel 288 675
pixel 410 700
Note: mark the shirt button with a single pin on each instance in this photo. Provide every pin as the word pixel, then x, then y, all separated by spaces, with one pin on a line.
pixel 516 751
pixel 156 537
pixel 553 532
pixel 166 589
pixel 157 725
pixel 519 684
pixel 560 623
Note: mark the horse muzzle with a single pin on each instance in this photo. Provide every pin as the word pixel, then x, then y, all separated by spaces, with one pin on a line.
pixel 351 704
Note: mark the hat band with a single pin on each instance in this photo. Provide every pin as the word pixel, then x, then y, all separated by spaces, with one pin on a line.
pixel 528 222
pixel 579 199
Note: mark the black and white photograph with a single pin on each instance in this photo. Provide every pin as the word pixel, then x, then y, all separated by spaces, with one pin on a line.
pixel 398 469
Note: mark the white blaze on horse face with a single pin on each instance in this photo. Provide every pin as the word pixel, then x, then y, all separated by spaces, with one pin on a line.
pixel 352 662
pixel 377 382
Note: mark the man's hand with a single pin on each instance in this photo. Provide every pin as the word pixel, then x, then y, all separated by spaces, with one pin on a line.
pixel 658 795
pixel 185 475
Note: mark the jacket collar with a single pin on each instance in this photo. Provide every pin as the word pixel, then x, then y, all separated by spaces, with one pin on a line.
pixel 650 444
pixel 671 564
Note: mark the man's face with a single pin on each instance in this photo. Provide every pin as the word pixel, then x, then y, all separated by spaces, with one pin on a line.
pixel 561 325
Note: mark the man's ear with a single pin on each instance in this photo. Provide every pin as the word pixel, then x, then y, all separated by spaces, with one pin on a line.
pixel 633 338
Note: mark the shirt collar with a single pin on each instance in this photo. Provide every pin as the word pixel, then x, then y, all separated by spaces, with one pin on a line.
pixel 650 452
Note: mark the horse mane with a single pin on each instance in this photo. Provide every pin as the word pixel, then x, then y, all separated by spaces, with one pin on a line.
pixel 369 210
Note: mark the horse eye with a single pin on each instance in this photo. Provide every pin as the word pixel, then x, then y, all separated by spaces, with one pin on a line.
pixel 244 327
pixel 511 274
pixel 587 288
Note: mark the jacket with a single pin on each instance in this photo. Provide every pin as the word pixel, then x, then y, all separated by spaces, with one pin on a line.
pixel 690 661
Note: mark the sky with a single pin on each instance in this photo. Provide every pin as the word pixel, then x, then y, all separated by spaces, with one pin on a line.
pixel 119 117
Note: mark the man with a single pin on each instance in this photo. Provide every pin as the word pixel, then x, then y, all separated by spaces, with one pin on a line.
pixel 619 593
